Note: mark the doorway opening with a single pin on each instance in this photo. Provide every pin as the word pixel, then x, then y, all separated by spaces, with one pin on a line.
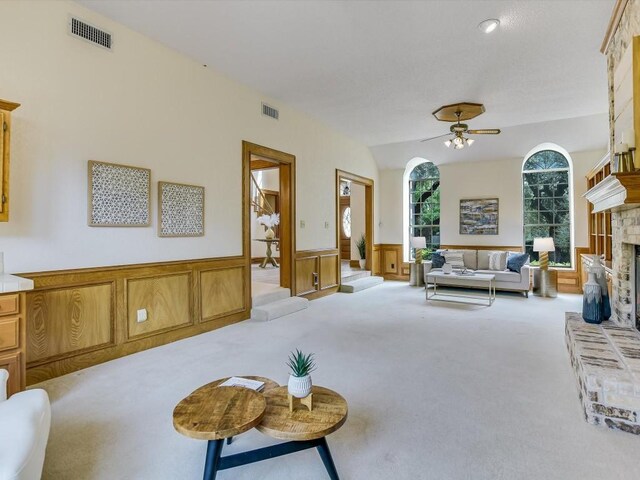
pixel 354 225
pixel 268 221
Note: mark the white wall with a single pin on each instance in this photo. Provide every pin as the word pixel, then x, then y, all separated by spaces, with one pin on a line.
pixel 391 213
pixel 268 180
pixel 146 105
pixel 358 223
pixel 500 178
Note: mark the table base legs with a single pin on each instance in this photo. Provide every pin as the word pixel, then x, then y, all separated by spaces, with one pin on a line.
pixel 215 462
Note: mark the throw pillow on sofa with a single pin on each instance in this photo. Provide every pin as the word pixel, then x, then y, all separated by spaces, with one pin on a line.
pixel 437 260
pixel 516 261
pixel 455 259
pixel 498 261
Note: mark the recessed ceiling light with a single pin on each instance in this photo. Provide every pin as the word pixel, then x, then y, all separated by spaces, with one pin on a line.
pixel 489 25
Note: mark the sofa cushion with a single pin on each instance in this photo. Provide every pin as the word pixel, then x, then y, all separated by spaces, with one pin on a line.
pixel 455 259
pixel 516 261
pixel 498 261
pixel 483 258
pixel 470 258
pixel 504 276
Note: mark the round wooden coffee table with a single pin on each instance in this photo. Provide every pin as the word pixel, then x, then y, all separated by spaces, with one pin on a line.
pixel 328 415
pixel 217 413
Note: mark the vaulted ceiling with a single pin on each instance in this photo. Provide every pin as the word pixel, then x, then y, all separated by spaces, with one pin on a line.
pixel 375 70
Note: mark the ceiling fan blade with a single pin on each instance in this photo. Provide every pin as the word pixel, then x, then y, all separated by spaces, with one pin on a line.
pixel 433 138
pixel 484 131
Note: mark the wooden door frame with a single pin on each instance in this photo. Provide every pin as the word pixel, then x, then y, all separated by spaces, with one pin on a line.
pixel 287 165
pixel 367 183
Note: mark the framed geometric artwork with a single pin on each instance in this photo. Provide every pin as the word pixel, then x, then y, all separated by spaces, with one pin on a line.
pixel 479 216
pixel 181 210
pixel 118 195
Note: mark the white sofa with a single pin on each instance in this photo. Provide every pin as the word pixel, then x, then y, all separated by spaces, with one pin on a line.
pixel 25 419
pixel 478 261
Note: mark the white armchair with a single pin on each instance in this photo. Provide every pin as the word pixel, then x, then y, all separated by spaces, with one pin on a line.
pixel 25 419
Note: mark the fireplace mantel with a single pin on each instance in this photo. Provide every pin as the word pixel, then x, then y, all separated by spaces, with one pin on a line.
pixel 616 192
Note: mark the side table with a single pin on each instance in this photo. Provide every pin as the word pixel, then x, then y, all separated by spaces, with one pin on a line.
pixel 545 283
pixel 269 254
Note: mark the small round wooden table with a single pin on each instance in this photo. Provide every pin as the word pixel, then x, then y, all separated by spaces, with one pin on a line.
pixel 216 413
pixel 269 256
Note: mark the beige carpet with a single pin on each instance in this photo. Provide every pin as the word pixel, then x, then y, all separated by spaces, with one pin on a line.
pixel 435 392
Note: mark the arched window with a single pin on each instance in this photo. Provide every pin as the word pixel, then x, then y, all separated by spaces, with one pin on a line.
pixel 546 188
pixel 424 205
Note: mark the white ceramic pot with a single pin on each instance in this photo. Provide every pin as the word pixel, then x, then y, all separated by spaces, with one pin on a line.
pixel 299 387
pixel 447 268
pixel 269 234
pixel 363 263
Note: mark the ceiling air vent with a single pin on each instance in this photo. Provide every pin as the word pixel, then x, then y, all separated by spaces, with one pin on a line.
pixel 87 32
pixel 269 111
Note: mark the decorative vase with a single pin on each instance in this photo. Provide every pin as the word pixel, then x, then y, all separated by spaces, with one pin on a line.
pixel 269 234
pixel 592 300
pixel 299 387
pixel 600 274
pixel 447 268
pixel 363 263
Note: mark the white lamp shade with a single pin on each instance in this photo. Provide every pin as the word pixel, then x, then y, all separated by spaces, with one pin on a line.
pixel 419 242
pixel 543 244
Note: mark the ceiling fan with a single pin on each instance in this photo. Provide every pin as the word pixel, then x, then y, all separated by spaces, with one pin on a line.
pixel 459 112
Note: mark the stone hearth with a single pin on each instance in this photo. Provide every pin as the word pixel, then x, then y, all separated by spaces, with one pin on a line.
pixel 606 362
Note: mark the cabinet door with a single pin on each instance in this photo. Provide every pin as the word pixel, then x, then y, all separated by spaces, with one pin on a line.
pixel 11 363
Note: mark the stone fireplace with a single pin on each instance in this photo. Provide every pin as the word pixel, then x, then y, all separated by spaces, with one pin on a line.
pixel 625 227
pixel 606 358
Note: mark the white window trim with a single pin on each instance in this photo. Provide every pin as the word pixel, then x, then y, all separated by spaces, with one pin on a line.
pixel 562 151
pixel 411 164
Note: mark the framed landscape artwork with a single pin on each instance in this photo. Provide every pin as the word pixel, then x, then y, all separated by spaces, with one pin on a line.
pixel 479 216
pixel 118 195
pixel 181 210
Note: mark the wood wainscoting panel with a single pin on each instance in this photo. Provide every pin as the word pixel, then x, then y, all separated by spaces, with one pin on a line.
pixel 167 299
pixel 69 321
pixel 307 275
pixel 390 264
pixel 83 317
pixel 221 292
pixel 502 248
pixel 376 268
pixel 329 271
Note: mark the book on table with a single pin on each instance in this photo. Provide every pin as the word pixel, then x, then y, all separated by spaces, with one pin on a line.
pixel 256 385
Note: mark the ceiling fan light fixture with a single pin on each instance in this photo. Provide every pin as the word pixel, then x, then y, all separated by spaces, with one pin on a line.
pixel 459 146
pixel 489 25
pixel 457 141
pixel 447 143
pixel 470 141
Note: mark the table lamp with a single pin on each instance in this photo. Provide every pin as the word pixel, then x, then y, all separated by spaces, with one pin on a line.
pixel 419 243
pixel 544 245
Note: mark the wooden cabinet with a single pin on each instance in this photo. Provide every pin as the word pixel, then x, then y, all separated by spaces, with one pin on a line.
pixel 5 135
pixel 13 339
pixel 600 234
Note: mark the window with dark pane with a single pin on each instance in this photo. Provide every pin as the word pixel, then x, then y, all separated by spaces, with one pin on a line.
pixel 546 202
pixel 424 205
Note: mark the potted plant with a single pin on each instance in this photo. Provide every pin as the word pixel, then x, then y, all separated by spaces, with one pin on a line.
pixel 269 221
pixel 301 366
pixel 361 245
